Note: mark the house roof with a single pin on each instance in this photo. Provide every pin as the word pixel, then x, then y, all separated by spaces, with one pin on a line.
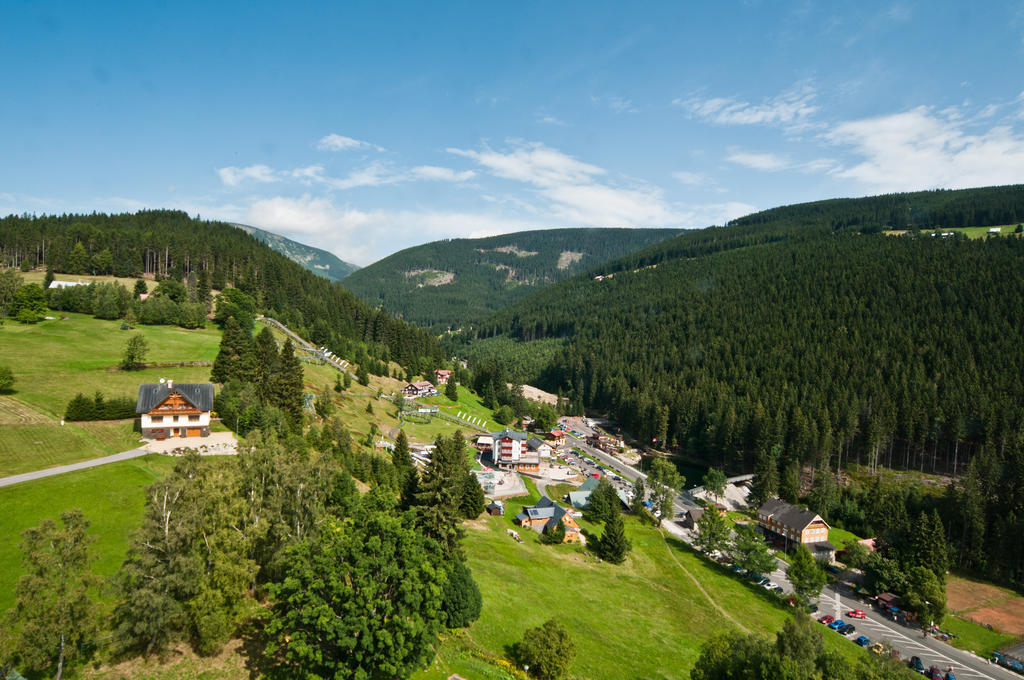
pixel 442 371
pixel 589 484
pixel 420 385
pixel 536 442
pixel 821 546
pixel 579 499
pixel 552 523
pixel 510 434
pixel 789 515
pixel 695 513
pixel 152 395
pixel 540 513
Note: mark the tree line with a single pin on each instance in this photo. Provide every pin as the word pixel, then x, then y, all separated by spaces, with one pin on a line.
pixel 168 244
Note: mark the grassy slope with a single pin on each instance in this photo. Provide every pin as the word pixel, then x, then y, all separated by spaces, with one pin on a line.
pixel 54 360
pixel 111 497
pixel 643 619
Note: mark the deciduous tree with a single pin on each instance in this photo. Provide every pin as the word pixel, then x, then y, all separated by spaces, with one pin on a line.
pixel 54 613
pixel 805 574
pixel 548 650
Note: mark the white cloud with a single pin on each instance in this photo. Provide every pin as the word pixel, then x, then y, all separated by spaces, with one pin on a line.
pixel 920 150
pixel 576 195
pixel 336 142
pixel 770 162
pixel 759 161
pixel 616 104
pixel 363 236
pixel 433 172
pixel 790 108
pixel 693 179
pixel 551 120
pixel 232 176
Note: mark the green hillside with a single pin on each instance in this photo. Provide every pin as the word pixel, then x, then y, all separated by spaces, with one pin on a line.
pixel 812 330
pixel 449 283
pixel 321 262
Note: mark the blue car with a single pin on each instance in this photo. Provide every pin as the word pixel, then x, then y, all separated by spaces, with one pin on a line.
pixel 837 624
pixel 863 641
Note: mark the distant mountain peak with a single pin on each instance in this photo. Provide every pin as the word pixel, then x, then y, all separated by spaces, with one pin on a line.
pixel 315 260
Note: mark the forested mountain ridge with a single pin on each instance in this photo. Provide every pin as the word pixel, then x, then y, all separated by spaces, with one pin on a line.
pixel 806 332
pixel 318 261
pixel 170 244
pixel 446 284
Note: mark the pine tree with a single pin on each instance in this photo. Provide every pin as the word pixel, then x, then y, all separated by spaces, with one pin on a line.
pixel 140 289
pixel 265 357
pixel 234 360
pixel 766 477
pixel 805 574
pixel 451 391
pixel 472 501
pixel 613 544
pixel 362 375
pixel 287 392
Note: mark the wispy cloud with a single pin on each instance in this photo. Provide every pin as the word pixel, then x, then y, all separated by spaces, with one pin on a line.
pixel 770 162
pixel 579 193
pixel 790 108
pixel 616 104
pixel 693 179
pixel 547 119
pixel 919 149
pixel 232 176
pixel 336 142
pixel 439 174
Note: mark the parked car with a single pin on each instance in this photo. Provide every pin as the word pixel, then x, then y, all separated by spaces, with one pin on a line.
pixel 778 589
pixel 949 675
pixel 863 641
pixel 934 673
pixel 847 629
pixel 826 619
pixel 856 614
pixel 837 624
pixel 915 664
pixel 771 585
pixel 877 648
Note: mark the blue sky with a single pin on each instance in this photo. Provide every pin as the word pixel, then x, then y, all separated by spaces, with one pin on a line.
pixel 364 128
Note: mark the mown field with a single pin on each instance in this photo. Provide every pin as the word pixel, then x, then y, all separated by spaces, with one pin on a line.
pixel 111 496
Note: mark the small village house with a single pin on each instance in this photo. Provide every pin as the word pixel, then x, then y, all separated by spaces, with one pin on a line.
pixel 539 446
pixel 421 388
pixel 545 516
pixel 788 525
pixel 442 376
pixel 555 438
pixel 167 410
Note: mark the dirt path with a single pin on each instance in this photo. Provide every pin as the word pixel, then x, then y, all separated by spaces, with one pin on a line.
pixel 700 587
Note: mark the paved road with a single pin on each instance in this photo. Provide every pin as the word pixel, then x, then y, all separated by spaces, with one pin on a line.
pixel 875 627
pixel 49 472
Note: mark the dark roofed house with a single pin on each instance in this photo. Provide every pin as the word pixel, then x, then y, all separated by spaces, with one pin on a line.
pixel 788 524
pixel 693 516
pixel 169 410
pixel 546 515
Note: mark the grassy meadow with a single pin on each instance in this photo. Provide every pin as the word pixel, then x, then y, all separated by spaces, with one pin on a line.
pixel 111 496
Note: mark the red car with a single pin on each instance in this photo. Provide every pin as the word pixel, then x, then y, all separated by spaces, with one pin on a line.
pixel 856 614
pixel 826 619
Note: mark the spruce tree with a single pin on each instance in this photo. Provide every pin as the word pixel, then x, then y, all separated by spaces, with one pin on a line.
pixel 766 477
pixel 613 544
pixel 234 360
pixel 451 391
pixel 265 357
pixel 288 388
pixel 472 502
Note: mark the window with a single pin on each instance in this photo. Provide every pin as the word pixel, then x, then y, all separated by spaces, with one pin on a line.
pixel 193 419
pixel 157 419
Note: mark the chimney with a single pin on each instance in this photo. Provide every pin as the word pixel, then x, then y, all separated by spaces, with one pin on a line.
pixel 170 384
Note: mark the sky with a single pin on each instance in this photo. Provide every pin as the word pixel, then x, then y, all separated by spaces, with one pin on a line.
pixel 367 127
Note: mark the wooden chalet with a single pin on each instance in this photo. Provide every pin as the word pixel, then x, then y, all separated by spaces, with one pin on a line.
pixel 167 410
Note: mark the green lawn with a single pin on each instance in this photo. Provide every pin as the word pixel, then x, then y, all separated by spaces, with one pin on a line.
pixel 975 638
pixel 111 496
pixel 54 360
pixel 24 448
pixel 643 619
pixel 840 538
pixel 468 404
